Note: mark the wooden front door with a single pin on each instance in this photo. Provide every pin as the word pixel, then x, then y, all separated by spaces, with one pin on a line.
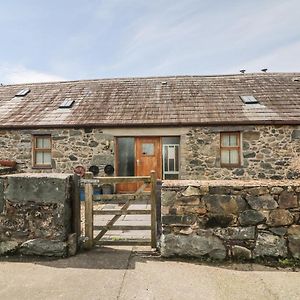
pixel 148 156
pixel 137 157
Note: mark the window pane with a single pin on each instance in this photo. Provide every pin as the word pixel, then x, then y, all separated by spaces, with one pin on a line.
pixel 176 158
pixel 43 158
pixel 43 142
pixel 126 156
pixel 234 157
pixel 171 152
pixel 225 140
pixel 148 149
pixel 39 158
pixel 225 157
pixel 233 140
pixel 172 165
pixel 39 142
pixel 47 158
pixel 166 157
pixel 47 143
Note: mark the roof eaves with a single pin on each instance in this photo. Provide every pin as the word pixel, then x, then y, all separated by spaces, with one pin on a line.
pixel 166 124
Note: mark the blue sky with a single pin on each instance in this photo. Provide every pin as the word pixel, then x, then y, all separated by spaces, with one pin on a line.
pixel 69 40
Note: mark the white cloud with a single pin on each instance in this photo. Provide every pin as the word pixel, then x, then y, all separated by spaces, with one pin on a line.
pixel 184 39
pixel 281 59
pixel 162 37
pixel 12 74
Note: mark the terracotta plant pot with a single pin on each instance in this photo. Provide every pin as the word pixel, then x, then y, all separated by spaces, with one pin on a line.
pixel 8 163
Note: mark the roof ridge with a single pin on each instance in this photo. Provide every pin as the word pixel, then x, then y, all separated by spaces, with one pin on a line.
pixel 154 77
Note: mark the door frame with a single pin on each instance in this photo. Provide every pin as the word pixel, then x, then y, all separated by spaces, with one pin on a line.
pixel 135 152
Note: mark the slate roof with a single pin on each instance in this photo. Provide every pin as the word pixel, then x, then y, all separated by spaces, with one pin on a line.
pixel 154 101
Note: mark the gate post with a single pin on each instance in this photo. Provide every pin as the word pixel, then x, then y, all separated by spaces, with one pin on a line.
pixel 88 192
pixel 76 227
pixel 153 209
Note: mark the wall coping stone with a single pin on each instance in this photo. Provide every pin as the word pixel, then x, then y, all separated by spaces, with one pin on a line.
pixel 39 175
pixel 230 183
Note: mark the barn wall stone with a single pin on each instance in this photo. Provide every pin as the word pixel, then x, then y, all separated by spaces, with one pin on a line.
pixel 70 148
pixel 220 219
pixel 35 215
pixel 268 152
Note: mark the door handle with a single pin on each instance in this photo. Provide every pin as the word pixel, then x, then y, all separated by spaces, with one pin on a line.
pixel 138 162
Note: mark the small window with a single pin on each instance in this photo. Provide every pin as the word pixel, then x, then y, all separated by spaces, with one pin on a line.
pixel 249 99
pixel 230 149
pixel 22 93
pixel 148 149
pixel 67 103
pixel 42 151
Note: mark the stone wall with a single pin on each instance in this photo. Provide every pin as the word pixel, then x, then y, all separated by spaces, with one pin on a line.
pixel 35 214
pixel 238 219
pixel 268 152
pixel 70 148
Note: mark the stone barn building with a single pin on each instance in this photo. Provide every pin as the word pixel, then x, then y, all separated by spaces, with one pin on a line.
pixel 244 126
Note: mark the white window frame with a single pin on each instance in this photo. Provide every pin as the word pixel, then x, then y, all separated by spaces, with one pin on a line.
pixel 164 160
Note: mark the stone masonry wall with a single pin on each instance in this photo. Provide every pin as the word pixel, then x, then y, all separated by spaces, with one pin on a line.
pixel 268 152
pixel 35 214
pixel 70 148
pixel 238 219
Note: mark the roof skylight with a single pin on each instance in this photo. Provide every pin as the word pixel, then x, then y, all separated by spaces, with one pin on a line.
pixel 67 103
pixel 249 99
pixel 22 92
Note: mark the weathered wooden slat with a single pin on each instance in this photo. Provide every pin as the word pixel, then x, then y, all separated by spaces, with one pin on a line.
pixel 122 201
pixel 153 209
pixel 76 226
pixel 122 212
pixel 122 227
pixel 113 197
pixel 144 242
pixel 88 191
pixel 126 200
pixel 141 189
pixel 112 221
pixel 119 197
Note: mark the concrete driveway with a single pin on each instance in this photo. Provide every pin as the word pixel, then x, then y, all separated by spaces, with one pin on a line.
pixel 123 273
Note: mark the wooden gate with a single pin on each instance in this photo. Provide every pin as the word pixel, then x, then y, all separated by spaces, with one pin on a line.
pixel 122 199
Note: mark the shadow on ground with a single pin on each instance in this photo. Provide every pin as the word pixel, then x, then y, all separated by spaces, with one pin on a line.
pixel 119 258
